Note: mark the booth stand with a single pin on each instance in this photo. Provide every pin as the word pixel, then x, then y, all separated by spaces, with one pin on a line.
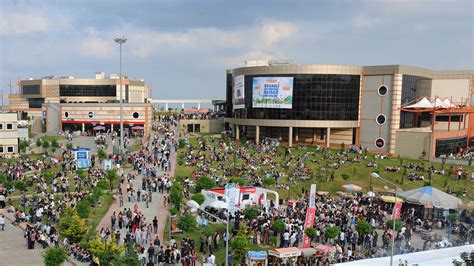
pixel 256 258
pixel 284 256
pixel 307 256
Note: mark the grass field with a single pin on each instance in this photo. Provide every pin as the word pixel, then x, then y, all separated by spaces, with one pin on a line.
pixel 358 173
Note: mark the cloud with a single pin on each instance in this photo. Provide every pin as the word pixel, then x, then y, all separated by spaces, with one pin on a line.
pixel 94 46
pixel 26 22
pixel 420 27
pixel 364 22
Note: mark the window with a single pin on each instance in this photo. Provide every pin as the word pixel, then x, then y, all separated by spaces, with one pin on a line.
pixel 379 143
pixel 136 115
pixel 1 126
pixel 88 90
pixel 9 126
pixel 31 89
pixel 9 149
pixel 66 114
pixel 381 119
pixel 445 118
pixel 35 102
pixel 245 196
pixel 90 114
pixel 382 90
pixel 1 149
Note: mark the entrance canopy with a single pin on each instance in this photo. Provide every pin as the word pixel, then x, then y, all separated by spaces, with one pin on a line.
pixel 285 252
pixel 431 196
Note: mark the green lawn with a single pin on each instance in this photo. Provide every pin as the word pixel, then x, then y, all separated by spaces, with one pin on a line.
pixel 50 138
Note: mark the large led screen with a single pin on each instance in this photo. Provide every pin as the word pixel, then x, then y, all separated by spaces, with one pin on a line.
pixel 239 92
pixel 272 92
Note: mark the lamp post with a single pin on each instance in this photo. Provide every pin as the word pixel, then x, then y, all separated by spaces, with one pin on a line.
pixel 121 41
pixel 193 204
pixel 375 175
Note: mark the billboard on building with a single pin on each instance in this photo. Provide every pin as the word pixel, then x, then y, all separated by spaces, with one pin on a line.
pixel 272 92
pixel 238 94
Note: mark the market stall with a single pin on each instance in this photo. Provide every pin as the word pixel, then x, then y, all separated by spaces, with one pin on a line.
pixel 284 256
pixel 256 258
pixel 307 256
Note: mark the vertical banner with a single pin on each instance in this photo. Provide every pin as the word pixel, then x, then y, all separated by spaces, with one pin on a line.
pixel 232 191
pixel 309 221
pixel 397 210
pixel 239 92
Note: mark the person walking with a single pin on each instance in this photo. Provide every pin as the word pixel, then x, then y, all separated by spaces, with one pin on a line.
pixel 2 222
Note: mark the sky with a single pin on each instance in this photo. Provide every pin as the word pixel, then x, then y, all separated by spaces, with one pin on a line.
pixel 183 48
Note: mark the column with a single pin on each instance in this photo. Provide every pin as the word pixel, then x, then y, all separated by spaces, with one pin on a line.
pixel 166 106
pixel 328 137
pixel 297 134
pixel 257 134
pixel 182 106
pixel 290 136
pixel 83 127
pixel 199 105
pixel 237 132
pixel 314 135
pixel 111 127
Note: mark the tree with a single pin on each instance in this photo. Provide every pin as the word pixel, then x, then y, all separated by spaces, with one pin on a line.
pixel 72 226
pixel 250 213
pixel 205 183
pixel 55 256
pixel 345 176
pixel 398 224
pixel 187 222
pixel 199 198
pixel 111 176
pixel 45 145
pixel 54 143
pixel 181 143
pixel 176 195
pixel 363 227
pixel 106 251
pixel 240 245
pixel 83 208
pixel 240 181
pixel 20 185
pixel 23 145
pixel 101 154
pixel 38 143
pixel 278 226
pixel 129 258
pixel 404 173
pixel 69 146
pixel 81 173
pixel 268 181
pixel 310 232
pixel 331 232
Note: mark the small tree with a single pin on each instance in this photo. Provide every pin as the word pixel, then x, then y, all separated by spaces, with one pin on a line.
pixel 72 226
pixel 81 173
pixel 250 213
pixel 20 185
pixel 84 208
pixel 54 143
pixel 38 143
pixel 363 227
pixel 55 256
pixel 45 145
pixel 111 177
pixel 240 245
pixel 106 251
pixel 310 232
pixel 398 225
pixel 129 258
pixel 430 176
pixel 331 232
pixel 343 147
pixel 23 145
pixel 205 183
pixel 69 146
pixel 199 198
pixel 345 176
pixel 187 222
pixel 278 226
pixel 404 173
pixel 101 154
pixel 176 195
pixel 268 181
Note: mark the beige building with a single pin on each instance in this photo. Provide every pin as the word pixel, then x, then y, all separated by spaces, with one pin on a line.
pixel 68 103
pixel 10 133
pixel 352 105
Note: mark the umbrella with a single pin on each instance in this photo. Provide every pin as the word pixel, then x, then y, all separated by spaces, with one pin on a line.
pixel 192 204
pixel 391 199
pixel 218 205
pixel 324 249
pixel 370 194
pixel 352 187
pixel 97 128
pixel 431 196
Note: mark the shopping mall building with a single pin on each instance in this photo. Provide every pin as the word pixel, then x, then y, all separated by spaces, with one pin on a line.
pixel 392 109
pixel 68 103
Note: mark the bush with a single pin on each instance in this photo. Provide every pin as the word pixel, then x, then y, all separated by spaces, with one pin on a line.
pixel 48 176
pixel 250 213
pixel 199 198
pixel 310 232
pixel 45 144
pixel 345 176
pixel 398 225
pixel 176 195
pixel 331 232
pixel 180 161
pixel 103 184
pixel 173 211
pixel 363 227
pixel 187 222
pixel 269 181
pixel 239 180
pixel 38 143
pixel 55 256
pixel 83 208
pixel 54 143
pixel 20 185
pixel 23 145
pixel 181 143
pixel 69 146
pixel 278 226
pixel 205 183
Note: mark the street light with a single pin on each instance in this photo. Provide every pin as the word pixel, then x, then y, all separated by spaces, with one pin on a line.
pixel 375 175
pixel 121 41
pixel 194 205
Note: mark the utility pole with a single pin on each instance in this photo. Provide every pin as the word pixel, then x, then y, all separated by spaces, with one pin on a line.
pixel 121 41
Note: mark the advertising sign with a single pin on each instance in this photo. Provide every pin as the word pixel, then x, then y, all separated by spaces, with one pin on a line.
pixel 310 213
pixel 272 92
pixel 238 95
pixel 174 225
pixel 81 155
pixel 107 165
pixel 256 255
pixel 396 210
pixel 232 191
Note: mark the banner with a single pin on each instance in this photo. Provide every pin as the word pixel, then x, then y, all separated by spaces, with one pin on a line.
pixel 310 213
pixel 81 155
pixel 232 191
pixel 272 92
pixel 238 95
pixel 397 209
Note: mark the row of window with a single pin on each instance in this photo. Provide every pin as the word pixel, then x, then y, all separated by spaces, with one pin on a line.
pixel 6 126
pixel 31 89
pixel 4 149
pixel 88 90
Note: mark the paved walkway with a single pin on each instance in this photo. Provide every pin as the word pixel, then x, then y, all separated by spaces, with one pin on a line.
pixel 156 207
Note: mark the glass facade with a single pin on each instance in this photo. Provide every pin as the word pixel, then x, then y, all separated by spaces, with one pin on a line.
pixel 35 102
pixel 447 146
pixel 88 90
pixel 409 86
pixel 31 89
pixel 315 97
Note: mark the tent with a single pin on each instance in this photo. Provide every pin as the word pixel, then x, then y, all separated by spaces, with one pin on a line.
pixel 423 103
pixel 431 196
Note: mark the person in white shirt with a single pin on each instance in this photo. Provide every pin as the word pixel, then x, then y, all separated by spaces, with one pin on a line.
pixel 211 260
pixel 2 223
